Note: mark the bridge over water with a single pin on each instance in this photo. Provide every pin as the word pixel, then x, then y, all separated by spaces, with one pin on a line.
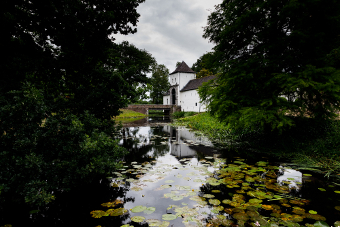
pixel 144 108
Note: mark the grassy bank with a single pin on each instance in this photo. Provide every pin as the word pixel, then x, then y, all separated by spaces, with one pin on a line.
pixel 311 144
pixel 129 114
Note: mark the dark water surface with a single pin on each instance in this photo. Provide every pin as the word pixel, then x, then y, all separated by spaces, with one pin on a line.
pixel 171 173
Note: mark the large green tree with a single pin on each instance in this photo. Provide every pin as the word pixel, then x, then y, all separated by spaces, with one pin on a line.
pixel 278 59
pixel 208 63
pixel 62 80
pixel 159 83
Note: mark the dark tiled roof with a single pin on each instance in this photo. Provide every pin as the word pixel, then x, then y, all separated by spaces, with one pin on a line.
pixel 194 84
pixel 183 68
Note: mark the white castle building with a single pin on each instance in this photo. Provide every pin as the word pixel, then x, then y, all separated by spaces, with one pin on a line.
pixel 183 90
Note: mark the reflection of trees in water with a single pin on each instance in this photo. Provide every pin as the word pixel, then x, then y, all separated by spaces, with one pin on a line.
pixel 71 208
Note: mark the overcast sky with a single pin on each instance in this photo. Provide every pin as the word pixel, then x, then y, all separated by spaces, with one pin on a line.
pixel 171 30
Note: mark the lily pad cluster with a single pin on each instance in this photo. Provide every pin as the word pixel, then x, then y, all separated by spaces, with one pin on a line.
pixel 218 194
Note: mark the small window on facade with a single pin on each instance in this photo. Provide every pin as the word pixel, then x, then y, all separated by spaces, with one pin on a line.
pixel 172 80
pixel 167 101
pixel 196 103
pixel 175 80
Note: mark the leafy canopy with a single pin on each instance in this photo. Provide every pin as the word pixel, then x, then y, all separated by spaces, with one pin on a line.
pixel 159 83
pixel 63 79
pixel 277 59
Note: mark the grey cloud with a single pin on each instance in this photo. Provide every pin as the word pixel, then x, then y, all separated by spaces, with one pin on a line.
pixel 171 30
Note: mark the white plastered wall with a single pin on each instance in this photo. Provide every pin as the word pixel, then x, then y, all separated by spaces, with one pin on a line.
pixel 190 101
pixel 166 100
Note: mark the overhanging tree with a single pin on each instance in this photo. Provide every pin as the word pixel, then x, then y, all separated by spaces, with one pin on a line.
pixel 207 63
pixel 62 80
pixel 159 83
pixel 278 60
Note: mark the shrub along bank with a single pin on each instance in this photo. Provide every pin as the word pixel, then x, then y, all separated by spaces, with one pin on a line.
pixel 311 144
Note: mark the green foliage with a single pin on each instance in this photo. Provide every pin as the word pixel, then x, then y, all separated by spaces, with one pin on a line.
pixel 159 83
pixel 129 113
pixel 182 114
pixel 311 143
pixel 203 72
pixel 62 81
pixel 209 62
pixel 277 59
pixel 37 160
pixel 209 125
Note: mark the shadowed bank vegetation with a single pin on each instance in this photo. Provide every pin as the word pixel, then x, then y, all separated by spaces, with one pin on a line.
pixel 312 144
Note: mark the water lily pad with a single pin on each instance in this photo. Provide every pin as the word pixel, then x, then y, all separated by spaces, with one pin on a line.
pixel 261 163
pixel 307 175
pixel 169 181
pixel 321 224
pixel 337 208
pixel 112 204
pixel 337 192
pixel 149 210
pixel 214 183
pixel 198 180
pixel 219 208
pixel 316 217
pixel 322 189
pixel 221 217
pixel 169 217
pixel 177 197
pixel 138 209
pixel 208 196
pixel 226 201
pixel 298 210
pixel 197 198
pixel 312 212
pixel 137 218
pixel 136 188
pixel 208 157
pixel 116 212
pixel 241 216
pixel 164 186
pixel 215 191
pixel 255 201
pixel 215 211
pixel 214 202
pixel 203 203
pixel 155 222
pixel 97 213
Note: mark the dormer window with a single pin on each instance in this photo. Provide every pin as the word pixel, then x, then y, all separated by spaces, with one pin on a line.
pixel 175 80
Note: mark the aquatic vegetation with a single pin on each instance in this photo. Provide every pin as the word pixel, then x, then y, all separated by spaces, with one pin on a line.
pixel 234 193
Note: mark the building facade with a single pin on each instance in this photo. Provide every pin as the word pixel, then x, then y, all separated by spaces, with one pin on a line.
pixel 183 90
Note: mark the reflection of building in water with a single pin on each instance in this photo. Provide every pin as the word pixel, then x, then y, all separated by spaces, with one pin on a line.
pixel 179 142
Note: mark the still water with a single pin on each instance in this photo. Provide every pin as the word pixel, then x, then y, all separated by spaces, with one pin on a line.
pixel 174 177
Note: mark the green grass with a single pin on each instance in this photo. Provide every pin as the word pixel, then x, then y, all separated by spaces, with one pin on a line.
pixel 311 144
pixel 129 114
pixel 183 114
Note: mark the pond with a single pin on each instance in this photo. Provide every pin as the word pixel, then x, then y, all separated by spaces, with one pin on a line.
pixel 174 177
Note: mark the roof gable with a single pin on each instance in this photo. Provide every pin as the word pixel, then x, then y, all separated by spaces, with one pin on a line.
pixel 183 68
pixel 194 84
